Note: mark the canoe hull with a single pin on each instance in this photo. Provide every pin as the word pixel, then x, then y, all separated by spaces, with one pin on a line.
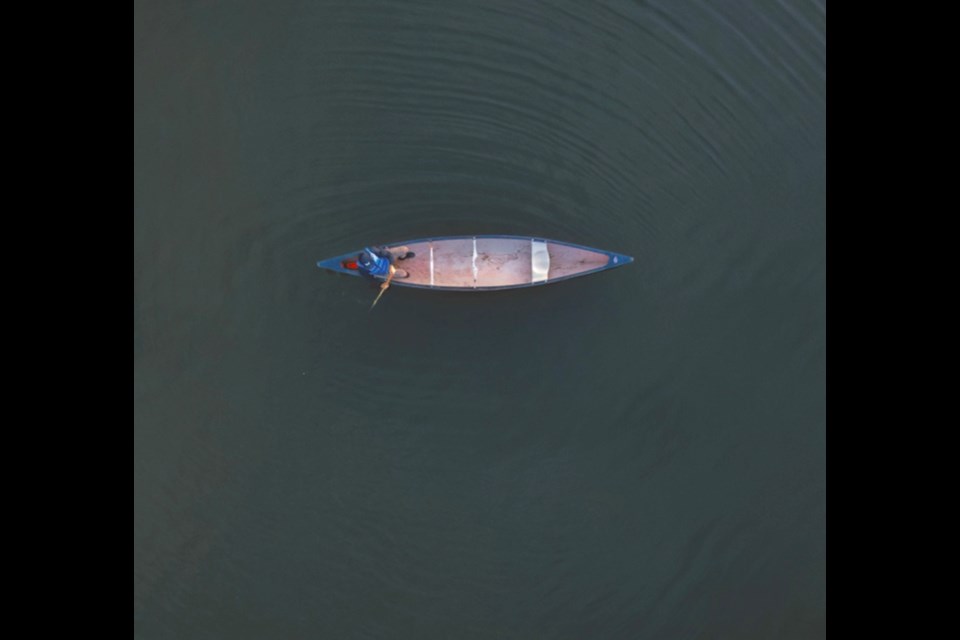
pixel 490 263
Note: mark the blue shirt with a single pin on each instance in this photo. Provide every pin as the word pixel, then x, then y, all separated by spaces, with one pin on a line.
pixel 371 263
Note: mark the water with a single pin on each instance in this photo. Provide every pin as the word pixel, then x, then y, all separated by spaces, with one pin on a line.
pixel 634 454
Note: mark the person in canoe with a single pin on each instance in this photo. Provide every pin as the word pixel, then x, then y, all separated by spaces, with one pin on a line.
pixel 379 262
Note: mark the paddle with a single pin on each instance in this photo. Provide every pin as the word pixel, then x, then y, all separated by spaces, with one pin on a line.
pixel 384 286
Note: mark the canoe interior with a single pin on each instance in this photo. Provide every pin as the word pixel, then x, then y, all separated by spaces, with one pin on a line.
pixel 493 262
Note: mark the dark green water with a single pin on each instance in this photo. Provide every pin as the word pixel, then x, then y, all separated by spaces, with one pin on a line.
pixel 635 454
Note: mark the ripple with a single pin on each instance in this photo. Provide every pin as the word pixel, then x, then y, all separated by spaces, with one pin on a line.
pixel 525 457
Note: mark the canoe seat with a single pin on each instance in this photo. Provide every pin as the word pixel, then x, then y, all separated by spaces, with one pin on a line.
pixel 539 261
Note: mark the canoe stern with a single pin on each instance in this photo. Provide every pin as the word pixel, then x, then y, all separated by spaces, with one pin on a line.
pixel 336 264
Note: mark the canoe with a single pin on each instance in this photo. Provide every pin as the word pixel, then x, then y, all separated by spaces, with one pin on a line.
pixel 489 262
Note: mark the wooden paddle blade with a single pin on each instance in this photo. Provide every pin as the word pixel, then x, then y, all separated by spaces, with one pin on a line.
pixel 377 299
pixel 384 286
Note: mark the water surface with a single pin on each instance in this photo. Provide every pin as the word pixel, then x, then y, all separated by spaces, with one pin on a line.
pixel 634 454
